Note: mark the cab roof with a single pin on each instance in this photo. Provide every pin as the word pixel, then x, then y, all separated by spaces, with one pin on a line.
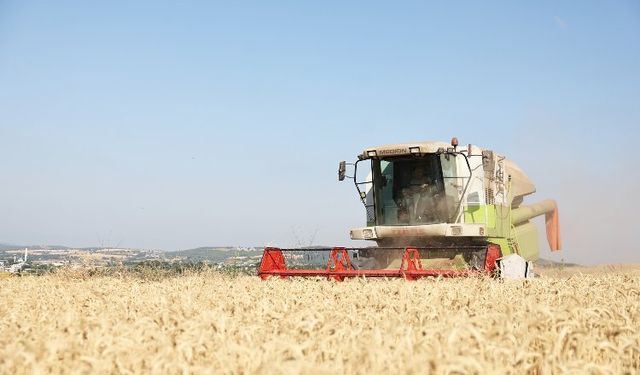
pixel 399 149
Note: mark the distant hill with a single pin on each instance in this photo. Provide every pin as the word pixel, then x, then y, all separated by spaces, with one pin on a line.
pixel 4 246
pixel 213 254
pixel 551 263
pixel 227 254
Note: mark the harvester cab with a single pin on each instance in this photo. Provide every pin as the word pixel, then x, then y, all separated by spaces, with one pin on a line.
pixel 435 209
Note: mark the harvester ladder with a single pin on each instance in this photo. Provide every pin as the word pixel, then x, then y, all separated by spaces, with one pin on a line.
pixel 512 240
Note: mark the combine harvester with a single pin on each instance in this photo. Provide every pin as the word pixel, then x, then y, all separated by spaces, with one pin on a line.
pixel 434 210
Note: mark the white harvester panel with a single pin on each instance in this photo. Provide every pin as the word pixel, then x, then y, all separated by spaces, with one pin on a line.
pixel 514 267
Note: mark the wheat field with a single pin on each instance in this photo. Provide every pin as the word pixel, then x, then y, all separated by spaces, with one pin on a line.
pixel 208 322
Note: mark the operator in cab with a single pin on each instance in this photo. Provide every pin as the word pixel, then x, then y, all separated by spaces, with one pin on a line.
pixel 418 200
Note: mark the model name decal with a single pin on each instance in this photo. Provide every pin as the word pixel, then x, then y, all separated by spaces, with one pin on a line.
pixel 393 151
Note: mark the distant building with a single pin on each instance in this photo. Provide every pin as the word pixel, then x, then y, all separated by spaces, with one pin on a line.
pixel 18 265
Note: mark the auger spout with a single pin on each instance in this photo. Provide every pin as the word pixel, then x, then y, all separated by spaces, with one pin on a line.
pixel 547 207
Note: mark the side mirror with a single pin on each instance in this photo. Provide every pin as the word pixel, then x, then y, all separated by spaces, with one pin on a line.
pixel 342 169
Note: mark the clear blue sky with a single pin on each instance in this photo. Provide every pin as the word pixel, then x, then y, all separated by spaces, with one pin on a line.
pixel 166 125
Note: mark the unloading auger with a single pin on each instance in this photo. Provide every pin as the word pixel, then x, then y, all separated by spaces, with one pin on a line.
pixel 433 209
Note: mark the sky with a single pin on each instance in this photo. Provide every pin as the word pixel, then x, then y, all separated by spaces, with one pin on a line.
pixel 173 125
